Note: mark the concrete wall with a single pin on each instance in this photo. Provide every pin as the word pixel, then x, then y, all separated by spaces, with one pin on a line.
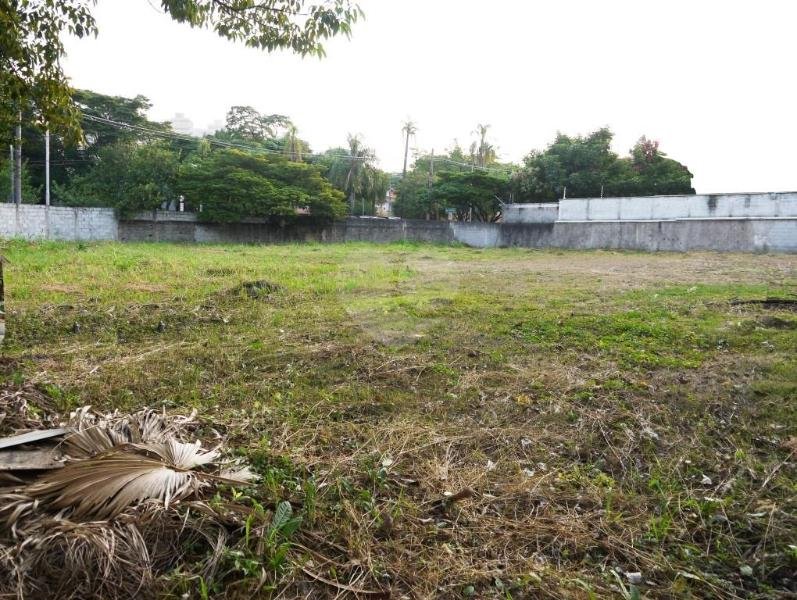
pixel 777 234
pixel 531 213
pixel 662 208
pixel 724 235
pixel 32 221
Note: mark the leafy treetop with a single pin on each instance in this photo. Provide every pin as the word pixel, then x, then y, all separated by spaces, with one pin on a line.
pixel 31 46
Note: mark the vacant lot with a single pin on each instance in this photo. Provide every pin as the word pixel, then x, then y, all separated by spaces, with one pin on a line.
pixel 453 422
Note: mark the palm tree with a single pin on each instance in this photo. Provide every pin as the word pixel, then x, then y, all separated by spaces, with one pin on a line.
pixel 358 157
pixel 484 149
pixel 293 145
pixel 409 128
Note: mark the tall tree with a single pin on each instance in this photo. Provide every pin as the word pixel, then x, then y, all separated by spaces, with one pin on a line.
pixel 408 128
pixel 586 166
pixel 246 123
pixel 353 171
pixel 31 46
pixel 474 196
pixel 484 152
pixel 358 155
pixel 294 147
pixel 232 185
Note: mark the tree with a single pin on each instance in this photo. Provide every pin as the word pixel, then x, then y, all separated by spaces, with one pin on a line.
pixel 585 166
pixel 31 46
pixel 233 185
pixel 417 191
pixel 128 176
pixel 101 116
pixel 352 170
pixel 408 128
pixel 293 146
pixel 30 192
pixel 475 196
pixel 30 61
pixel 412 200
pixel 482 152
pixel 247 124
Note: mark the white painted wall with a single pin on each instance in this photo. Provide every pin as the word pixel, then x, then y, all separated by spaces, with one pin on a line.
pixel 664 208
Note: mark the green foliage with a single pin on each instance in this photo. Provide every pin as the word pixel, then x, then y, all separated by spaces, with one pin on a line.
pixel 454 180
pixel 30 192
pixel 298 25
pixel 69 160
pixel 128 177
pixel 413 196
pixel 31 45
pixel 232 185
pixel 475 196
pixel 31 76
pixel 247 124
pixel 352 171
pixel 587 167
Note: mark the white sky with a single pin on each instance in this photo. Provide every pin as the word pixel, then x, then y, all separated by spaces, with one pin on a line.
pixel 712 80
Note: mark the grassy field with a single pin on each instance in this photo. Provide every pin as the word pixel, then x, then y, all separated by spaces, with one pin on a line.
pixel 453 422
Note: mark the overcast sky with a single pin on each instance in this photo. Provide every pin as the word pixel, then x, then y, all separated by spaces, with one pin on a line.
pixel 712 80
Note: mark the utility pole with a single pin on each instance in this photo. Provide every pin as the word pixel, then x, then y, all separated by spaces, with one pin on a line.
pixel 11 172
pixel 47 167
pixel 431 185
pixel 18 163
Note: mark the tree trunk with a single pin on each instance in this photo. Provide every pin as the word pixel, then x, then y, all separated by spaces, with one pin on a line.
pixel 406 151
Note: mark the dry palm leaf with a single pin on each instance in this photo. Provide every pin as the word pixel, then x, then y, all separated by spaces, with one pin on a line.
pixel 106 524
pixel 104 486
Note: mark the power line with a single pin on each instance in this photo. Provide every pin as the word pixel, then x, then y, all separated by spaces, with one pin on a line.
pixel 222 143
pixel 213 141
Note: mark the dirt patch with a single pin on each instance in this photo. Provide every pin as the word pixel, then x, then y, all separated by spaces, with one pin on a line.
pixel 144 287
pixel 771 303
pixel 63 289
pixel 771 322
pixel 258 289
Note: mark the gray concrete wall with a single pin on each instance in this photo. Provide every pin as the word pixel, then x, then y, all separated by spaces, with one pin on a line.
pixel 31 221
pixel 662 208
pixel 733 235
pixel 776 234
pixel 531 213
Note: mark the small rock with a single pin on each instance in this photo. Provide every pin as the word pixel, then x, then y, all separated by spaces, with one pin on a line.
pixel 706 480
pixel 746 570
pixel 634 578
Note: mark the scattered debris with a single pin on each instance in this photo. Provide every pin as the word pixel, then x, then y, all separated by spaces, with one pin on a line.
pixel 114 503
pixel 634 578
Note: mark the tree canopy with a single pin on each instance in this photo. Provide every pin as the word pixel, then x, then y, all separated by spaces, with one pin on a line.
pixel 232 185
pixel 353 171
pixel 587 167
pixel 130 177
pixel 31 44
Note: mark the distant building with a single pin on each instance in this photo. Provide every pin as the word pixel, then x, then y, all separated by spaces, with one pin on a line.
pixel 182 124
pixel 385 208
pixel 215 126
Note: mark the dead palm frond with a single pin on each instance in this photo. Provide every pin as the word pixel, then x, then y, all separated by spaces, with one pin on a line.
pixel 126 507
pixel 103 487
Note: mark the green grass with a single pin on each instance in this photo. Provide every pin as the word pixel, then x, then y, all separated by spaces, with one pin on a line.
pixel 584 398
